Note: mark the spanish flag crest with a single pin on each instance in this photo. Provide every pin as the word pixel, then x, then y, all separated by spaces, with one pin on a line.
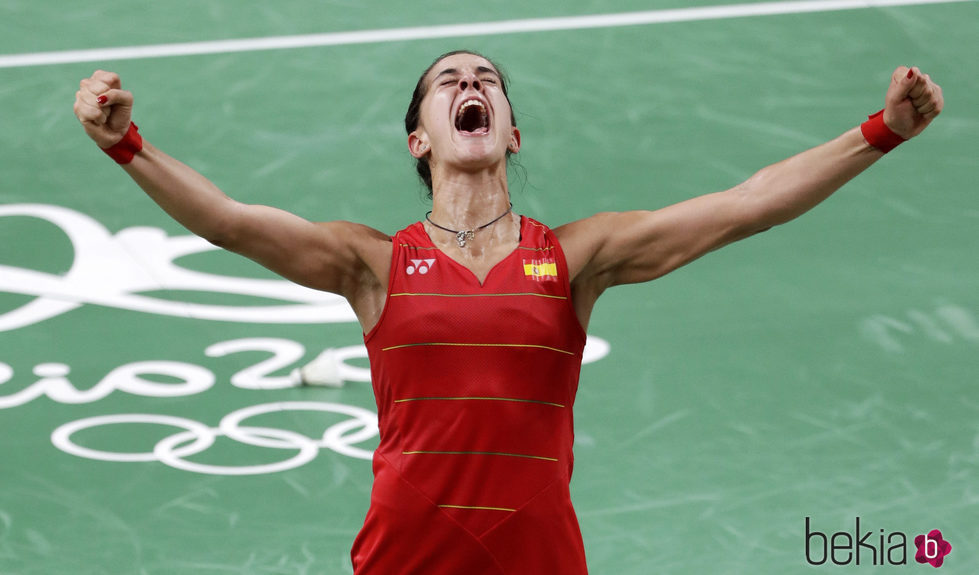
pixel 540 269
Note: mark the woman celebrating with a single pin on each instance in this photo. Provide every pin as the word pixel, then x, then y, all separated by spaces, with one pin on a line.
pixel 475 318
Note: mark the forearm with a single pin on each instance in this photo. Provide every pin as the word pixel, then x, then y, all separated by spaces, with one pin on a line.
pixel 783 191
pixel 183 193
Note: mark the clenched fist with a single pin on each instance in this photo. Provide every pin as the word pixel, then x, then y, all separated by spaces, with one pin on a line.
pixel 913 100
pixel 104 108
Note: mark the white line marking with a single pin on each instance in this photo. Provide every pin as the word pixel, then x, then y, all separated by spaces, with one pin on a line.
pixel 450 31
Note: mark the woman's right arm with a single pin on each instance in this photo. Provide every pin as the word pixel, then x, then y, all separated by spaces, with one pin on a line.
pixel 340 257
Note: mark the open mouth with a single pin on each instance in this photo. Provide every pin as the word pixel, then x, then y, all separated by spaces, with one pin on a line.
pixel 472 117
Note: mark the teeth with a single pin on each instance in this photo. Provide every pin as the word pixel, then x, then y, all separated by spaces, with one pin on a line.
pixel 469 103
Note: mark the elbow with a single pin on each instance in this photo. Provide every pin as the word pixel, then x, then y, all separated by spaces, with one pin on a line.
pixel 753 216
pixel 223 232
pixel 221 236
pixel 218 241
pixel 762 207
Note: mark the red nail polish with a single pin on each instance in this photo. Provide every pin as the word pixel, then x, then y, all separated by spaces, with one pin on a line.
pixel 103 98
pixel 910 73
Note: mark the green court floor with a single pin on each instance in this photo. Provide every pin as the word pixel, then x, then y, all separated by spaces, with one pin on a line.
pixel 825 370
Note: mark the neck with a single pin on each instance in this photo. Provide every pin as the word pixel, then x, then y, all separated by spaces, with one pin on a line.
pixel 475 202
pixel 464 201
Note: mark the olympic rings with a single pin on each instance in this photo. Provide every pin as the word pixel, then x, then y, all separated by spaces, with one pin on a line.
pixel 333 436
pixel 165 452
pixel 61 437
pixel 196 437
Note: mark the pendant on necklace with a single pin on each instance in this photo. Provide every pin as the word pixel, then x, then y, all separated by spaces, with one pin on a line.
pixel 464 236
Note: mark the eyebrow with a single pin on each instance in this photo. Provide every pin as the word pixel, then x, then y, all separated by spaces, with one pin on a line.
pixel 479 70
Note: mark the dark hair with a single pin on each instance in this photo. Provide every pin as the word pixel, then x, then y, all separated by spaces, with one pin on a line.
pixel 414 110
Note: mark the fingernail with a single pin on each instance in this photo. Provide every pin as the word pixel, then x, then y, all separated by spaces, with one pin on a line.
pixel 103 98
pixel 910 74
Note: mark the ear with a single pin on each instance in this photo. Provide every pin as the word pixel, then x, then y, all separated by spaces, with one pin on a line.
pixel 418 144
pixel 514 145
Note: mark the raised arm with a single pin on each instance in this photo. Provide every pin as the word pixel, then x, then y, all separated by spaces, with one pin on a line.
pixel 629 247
pixel 340 257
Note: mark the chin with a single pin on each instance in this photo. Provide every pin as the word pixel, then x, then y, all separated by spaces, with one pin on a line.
pixel 479 149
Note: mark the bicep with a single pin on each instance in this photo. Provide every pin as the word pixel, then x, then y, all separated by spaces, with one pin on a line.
pixel 639 246
pixel 326 256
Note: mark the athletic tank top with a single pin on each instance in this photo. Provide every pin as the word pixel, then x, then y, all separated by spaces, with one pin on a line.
pixel 474 387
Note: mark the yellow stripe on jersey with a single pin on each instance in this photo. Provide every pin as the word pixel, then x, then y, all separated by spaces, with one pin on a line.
pixel 478 399
pixel 402 294
pixel 476 507
pixel 454 344
pixel 540 457
pixel 416 247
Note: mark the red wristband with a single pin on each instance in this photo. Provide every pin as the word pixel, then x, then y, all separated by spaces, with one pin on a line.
pixel 126 149
pixel 878 135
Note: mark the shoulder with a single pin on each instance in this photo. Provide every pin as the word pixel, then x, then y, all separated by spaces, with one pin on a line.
pixel 356 238
pixel 353 230
pixel 365 240
pixel 367 253
pixel 582 239
pixel 582 242
pixel 585 227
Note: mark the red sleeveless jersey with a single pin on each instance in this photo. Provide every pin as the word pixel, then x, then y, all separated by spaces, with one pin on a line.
pixel 474 387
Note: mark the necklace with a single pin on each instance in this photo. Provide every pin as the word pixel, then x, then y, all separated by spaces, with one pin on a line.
pixel 463 236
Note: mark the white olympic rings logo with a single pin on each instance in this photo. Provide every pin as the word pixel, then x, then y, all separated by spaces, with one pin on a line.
pixel 197 437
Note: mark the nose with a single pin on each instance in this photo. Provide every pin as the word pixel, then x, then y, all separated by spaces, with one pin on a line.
pixel 470 80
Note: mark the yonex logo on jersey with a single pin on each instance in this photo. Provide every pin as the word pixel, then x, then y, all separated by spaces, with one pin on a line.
pixel 421 266
pixel 540 270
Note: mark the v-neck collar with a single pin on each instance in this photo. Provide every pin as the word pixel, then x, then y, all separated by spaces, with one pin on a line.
pixel 523 222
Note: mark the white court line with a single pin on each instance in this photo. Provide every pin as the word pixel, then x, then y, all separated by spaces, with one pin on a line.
pixel 450 31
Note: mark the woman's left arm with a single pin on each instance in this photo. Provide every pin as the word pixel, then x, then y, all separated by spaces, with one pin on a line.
pixel 630 247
